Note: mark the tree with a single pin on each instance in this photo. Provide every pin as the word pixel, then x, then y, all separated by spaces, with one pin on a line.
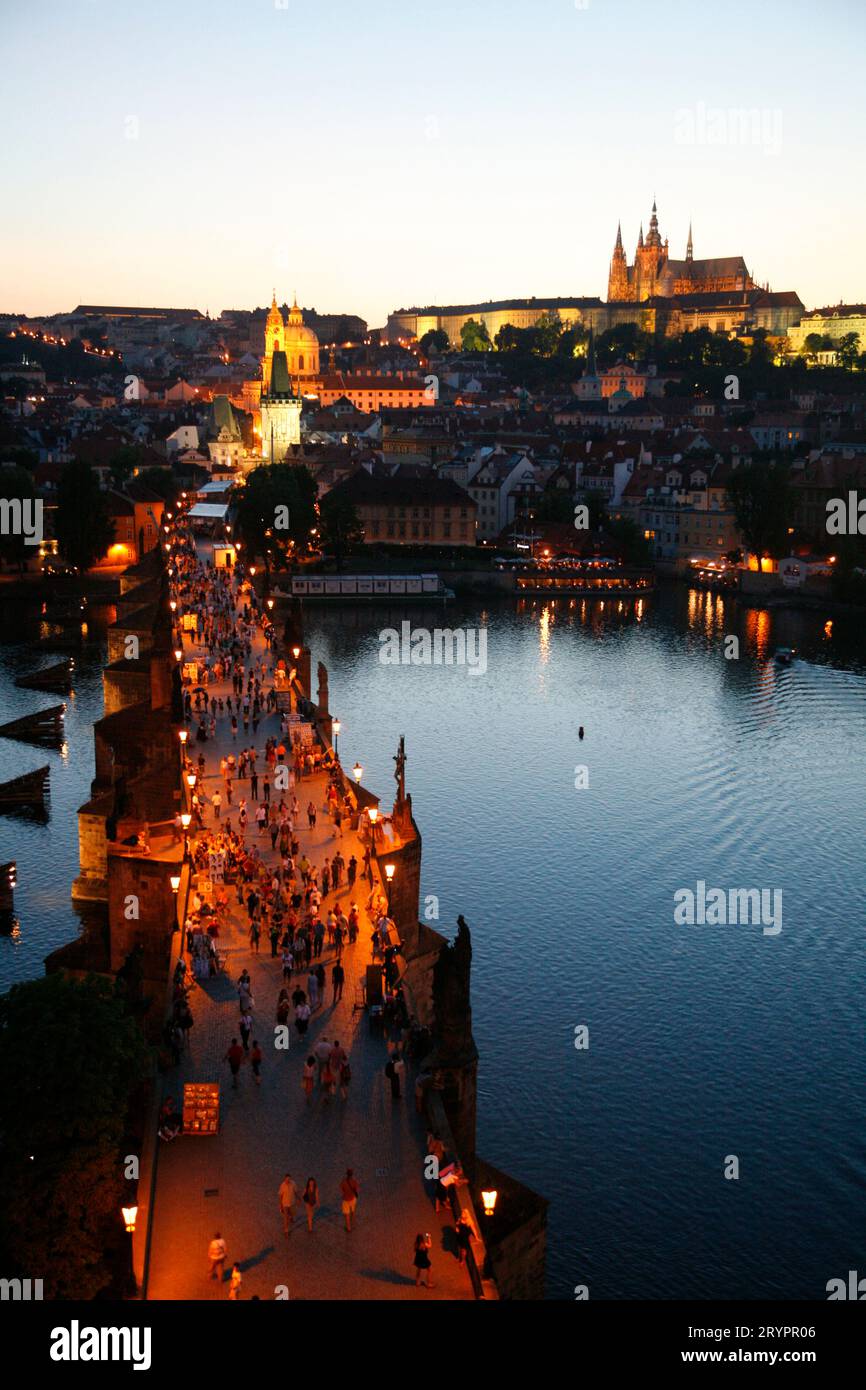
pixel 555 505
pixel 847 351
pixel 82 523
pixel 632 543
pixel 434 340
pixel 340 524
pixel 548 331
pixel 16 485
pixel 474 336
pixel 758 495
pixel 163 482
pixel 70 1057
pixel 123 463
pixel 277 505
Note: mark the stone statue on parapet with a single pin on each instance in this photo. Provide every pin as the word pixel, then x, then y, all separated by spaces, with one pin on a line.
pixel 322 673
pixel 451 997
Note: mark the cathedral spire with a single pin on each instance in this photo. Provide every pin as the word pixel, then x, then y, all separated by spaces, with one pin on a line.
pixel 619 236
pixel 690 250
pixel 640 236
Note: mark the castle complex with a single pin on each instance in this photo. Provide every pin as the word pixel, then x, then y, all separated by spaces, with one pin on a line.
pixel 654 273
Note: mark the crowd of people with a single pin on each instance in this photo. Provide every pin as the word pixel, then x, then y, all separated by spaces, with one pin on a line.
pixel 251 816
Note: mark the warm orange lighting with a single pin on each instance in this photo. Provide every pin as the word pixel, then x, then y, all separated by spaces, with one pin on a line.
pixel 185 820
pixel 296 652
pixel 489 1200
pixel 373 813
pixel 129 1217
pixel 390 870
pixel 270 603
pixel 190 780
pixel 175 882
pixel 173 605
pixel 183 735
pixel 252 571
pixel 178 653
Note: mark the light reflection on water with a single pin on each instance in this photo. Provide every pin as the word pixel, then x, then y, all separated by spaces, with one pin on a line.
pixel 704 1041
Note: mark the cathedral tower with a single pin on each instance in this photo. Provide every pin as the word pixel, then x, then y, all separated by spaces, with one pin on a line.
pixel 275 341
pixel 281 410
pixel 617 280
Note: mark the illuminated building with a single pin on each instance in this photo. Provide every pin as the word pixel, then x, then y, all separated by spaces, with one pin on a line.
pixel 654 273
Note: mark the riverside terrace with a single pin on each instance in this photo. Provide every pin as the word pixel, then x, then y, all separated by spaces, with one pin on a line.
pixel 228 1182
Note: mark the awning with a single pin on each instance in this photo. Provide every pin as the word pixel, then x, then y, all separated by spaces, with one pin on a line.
pixel 208 511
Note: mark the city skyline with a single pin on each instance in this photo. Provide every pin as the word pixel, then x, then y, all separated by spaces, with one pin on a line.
pixel 343 174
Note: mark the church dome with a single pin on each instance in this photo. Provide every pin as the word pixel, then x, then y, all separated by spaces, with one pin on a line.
pixel 302 345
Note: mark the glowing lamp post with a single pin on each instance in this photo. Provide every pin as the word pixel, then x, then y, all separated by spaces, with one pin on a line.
pixel 389 879
pixel 337 726
pixel 296 652
pixel 173 605
pixel 358 772
pixel 489 1200
pixel 178 653
pixel 129 1218
pixel 175 883
pixel 270 605
pixel 191 780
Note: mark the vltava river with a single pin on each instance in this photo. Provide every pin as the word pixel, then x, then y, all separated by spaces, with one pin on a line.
pixel 707 1043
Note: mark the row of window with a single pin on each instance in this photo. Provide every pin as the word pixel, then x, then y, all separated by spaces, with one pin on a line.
pixel 417 531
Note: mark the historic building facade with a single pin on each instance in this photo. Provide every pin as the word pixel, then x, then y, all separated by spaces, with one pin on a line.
pixel 655 273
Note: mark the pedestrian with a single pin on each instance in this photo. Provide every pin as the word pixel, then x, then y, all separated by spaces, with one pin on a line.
pixel 235 1284
pixel 338 975
pixel 256 1062
pixel 311 816
pixel 309 1077
pixel 349 1192
pixel 352 870
pixel 463 1232
pixel 311 1200
pixel 216 802
pixel 246 1027
pixel 323 1052
pixel 423 1245
pixel 393 1076
pixel 345 1078
pixel 327 1080
pixel 217 1256
pixel 302 1019
pixel 234 1057
pixel 321 981
pixel 288 1195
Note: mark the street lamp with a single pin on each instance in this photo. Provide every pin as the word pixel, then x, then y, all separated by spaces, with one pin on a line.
pixel 175 882
pixel 489 1200
pixel 389 878
pixel 337 727
pixel 358 771
pixel 172 603
pixel 296 652
pixel 191 780
pixel 373 813
pixel 178 653
pixel 129 1217
pixel 271 604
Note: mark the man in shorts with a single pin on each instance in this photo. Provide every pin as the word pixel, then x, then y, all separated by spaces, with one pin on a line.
pixel 349 1190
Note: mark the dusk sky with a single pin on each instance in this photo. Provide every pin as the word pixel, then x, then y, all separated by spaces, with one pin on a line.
pixel 369 156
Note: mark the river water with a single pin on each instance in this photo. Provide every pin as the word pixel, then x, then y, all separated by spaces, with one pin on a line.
pixel 710 1047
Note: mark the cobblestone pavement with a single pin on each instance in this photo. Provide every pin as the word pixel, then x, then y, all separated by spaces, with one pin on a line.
pixel 228 1182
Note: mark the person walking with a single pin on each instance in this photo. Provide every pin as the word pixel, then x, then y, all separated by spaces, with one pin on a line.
pixel 393 1074
pixel 338 975
pixel 463 1232
pixel 345 1078
pixel 302 1018
pixel 235 1284
pixel 216 1253
pixel 256 1062
pixel 288 1195
pixel 349 1190
pixel 246 1027
pixel 311 1200
pixel 308 1079
pixel 216 801
pixel 423 1244
pixel 234 1057
pixel 311 816
pixel 313 990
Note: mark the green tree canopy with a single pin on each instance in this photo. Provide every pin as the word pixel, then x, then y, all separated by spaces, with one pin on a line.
pixel 848 350
pixel 82 523
pixel 276 505
pixel 434 340
pixel 758 494
pixel 70 1057
pixel 474 337
pixel 340 525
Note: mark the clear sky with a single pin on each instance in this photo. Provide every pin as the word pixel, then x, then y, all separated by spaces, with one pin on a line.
pixel 387 153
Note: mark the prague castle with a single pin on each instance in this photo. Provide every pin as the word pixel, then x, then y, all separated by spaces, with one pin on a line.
pixel 654 273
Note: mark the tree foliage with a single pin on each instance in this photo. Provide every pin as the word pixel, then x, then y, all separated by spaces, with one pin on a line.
pixel 276 505
pixel 82 524
pixel 70 1057
pixel 340 525
pixel 474 336
pixel 758 495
